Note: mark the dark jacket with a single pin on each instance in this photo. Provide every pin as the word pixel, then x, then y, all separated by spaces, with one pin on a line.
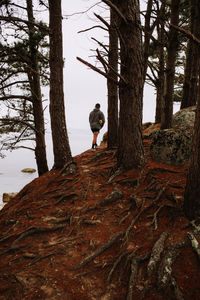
pixel 95 116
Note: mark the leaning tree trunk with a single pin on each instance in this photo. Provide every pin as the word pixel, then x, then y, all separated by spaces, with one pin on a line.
pixel 166 118
pixel 34 79
pixel 111 85
pixel 130 150
pixel 61 148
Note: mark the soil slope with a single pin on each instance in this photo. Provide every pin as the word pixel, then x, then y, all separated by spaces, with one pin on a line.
pixel 98 234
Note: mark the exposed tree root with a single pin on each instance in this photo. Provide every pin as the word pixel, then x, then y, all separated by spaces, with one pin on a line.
pixel 124 218
pixel 135 262
pixel 33 230
pixel 66 197
pixel 117 262
pixel 194 243
pixel 165 268
pixel 177 292
pixel 107 245
pixel 162 190
pixel 156 253
pixel 155 216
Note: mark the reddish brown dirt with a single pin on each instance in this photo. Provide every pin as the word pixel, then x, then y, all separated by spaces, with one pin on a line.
pixel 56 222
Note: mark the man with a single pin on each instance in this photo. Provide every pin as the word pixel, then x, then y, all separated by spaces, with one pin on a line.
pixel 97 120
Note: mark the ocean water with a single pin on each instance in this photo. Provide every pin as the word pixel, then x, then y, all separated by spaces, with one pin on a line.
pixel 11 177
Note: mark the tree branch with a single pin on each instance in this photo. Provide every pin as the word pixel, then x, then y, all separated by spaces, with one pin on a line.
pixel 109 3
pixel 187 33
pixel 97 26
pixel 102 20
pixel 96 69
pixel 100 44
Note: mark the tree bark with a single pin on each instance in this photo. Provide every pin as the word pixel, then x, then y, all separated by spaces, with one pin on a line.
pixel 34 79
pixel 61 148
pixel 130 150
pixel 161 67
pixel 192 189
pixel 111 85
pixel 166 118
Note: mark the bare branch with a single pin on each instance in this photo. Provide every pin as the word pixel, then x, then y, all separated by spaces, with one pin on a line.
pixel 187 33
pixel 100 44
pixel 102 60
pixel 109 3
pixel 82 12
pixel 97 26
pixel 103 73
pixel 102 20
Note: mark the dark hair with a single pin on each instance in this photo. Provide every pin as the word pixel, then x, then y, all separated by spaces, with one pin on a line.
pixel 97 105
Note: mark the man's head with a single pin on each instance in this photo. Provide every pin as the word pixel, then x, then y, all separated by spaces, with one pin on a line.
pixel 97 106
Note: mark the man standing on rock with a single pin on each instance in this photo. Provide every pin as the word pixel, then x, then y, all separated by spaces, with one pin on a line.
pixel 97 120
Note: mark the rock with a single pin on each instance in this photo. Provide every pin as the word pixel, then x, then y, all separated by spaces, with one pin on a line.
pixel 8 196
pixel 28 170
pixel 173 146
pixel 146 125
pixel 184 117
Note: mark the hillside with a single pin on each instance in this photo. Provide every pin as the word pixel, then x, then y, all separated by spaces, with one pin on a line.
pixel 97 234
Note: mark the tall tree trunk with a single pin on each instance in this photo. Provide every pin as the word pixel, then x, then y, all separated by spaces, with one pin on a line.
pixel 130 151
pixel 190 85
pixel 147 35
pixel 192 189
pixel 161 67
pixel 111 85
pixel 61 148
pixel 195 57
pixel 34 79
pixel 166 118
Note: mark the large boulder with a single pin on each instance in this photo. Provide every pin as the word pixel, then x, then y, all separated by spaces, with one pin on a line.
pixel 184 118
pixel 173 146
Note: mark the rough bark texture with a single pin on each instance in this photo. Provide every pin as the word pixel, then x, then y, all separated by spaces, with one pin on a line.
pixel 195 14
pixel 192 189
pixel 166 119
pixel 147 34
pixel 161 72
pixel 61 148
pixel 130 151
pixel 34 79
pixel 111 85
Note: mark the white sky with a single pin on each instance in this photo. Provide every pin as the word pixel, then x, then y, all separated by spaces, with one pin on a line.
pixel 83 87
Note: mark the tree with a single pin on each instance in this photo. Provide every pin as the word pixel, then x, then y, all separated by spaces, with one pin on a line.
pixel 192 189
pixel 21 65
pixel 34 80
pixel 161 64
pixel 130 151
pixel 166 117
pixel 61 148
pixel 190 86
pixel 111 81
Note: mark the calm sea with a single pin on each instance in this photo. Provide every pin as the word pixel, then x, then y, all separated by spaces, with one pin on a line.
pixel 11 177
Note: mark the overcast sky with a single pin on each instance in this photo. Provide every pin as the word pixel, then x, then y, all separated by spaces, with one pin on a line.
pixel 84 87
